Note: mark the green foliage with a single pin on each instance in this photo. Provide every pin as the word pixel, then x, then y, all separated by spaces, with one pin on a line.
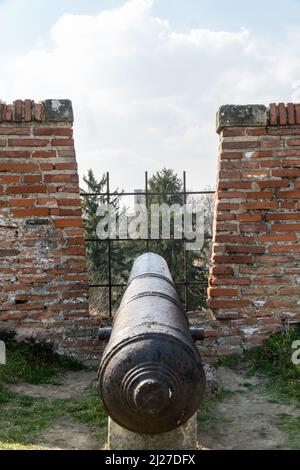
pixel 34 363
pixel 291 426
pixel 196 264
pixel 274 360
pixel 23 418
pixel 123 253
pixel 231 361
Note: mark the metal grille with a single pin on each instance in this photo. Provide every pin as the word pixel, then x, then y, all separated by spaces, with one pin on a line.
pixel 110 240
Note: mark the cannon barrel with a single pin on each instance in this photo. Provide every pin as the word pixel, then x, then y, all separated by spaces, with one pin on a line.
pixel 150 378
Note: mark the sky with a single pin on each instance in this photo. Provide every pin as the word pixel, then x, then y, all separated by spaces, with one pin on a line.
pixel 146 77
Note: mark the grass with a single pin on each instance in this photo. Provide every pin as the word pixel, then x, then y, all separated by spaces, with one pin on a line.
pixel 291 426
pixel 206 417
pixel 272 361
pixel 23 419
pixel 34 363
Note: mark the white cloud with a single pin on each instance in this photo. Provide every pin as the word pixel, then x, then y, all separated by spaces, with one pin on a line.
pixel 144 94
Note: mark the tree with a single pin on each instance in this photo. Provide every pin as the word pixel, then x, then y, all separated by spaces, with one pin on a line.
pixel 196 264
pixel 97 251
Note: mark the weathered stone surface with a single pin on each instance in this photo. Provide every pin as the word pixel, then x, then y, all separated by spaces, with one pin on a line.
pixel 183 438
pixel 58 110
pixel 251 115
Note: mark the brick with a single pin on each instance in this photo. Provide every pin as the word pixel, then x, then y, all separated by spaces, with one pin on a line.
pixel 38 112
pixel 231 155
pixel 10 253
pixel 259 195
pixel 297 111
pixel 18 104
pixel 244 249
pixel 14 130
pixel 255 228
pixel 256 131
pixel 232 259
pixel 60 178
pixel 234 184
pixel 68 202
pixel 227 303
pixel 294 142
pixel 265 205
pixel 230 195
pixel 260 154
pixel 66 166
pixel 233 239
pixel 14 154
pixel 284 216
pixel 27 111
pixel 227 206
pixel 229 281
pixel 286 227
pixel 287 153
pixel 8 113
pixel 68 222
pixel 32 179
pixel 221 270
pixel 26 189
pixel 233 132
pixel 282 114
pixel 284 249
pixel 62 142
pixel 18 167
pixel 291 114
pixel 249 217
pixel 273 114
pixel 289 194
pixel 9 179
pixel 273 184
pixel 240 145
pixel 26 202
pixel 286 173
pixel 278 238
pixel 53 131
pixel 44 154
pixel 291 163
pixel 27 142
pixel 217 292
pixel 34 212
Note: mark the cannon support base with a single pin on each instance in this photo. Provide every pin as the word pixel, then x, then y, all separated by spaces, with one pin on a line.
pixel 183 438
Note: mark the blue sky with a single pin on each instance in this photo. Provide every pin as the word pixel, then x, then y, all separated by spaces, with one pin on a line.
pixel 146 77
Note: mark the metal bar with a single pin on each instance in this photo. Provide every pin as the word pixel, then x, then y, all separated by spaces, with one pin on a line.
pixel 109 252
pixel 146 194
pixel 114 193
pixel 196 333
pixel 186 295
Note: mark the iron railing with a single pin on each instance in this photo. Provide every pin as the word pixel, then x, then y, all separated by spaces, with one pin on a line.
pixel 110 240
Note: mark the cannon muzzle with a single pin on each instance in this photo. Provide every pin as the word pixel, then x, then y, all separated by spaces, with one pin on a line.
pixel 150 378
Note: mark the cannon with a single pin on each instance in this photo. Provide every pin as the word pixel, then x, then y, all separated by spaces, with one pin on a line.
pixel 150 377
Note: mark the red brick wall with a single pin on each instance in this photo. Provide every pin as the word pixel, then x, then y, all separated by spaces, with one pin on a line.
pixel 43 276
pixel 255 274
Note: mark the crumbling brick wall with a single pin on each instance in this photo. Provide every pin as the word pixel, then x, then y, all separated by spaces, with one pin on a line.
pixel 43 275
pixel 255 274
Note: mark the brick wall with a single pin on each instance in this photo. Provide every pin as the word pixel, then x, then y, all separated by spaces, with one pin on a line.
pixel 43 277
pixel 255 275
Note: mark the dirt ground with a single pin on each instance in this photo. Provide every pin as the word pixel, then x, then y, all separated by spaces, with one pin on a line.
pixel 245 418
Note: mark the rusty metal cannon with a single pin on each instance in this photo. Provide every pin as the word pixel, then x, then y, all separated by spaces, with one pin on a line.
pixel 150 378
